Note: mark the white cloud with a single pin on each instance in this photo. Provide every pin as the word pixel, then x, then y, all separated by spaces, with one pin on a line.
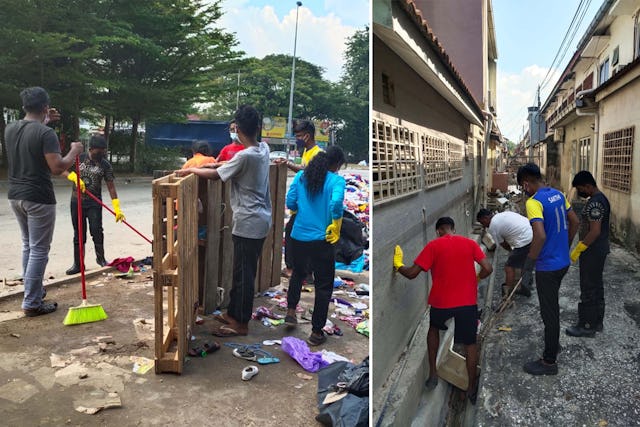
pixel 321 39
pixel 516 92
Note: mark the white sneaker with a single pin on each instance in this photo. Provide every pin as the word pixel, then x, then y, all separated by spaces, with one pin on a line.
pixel 249 372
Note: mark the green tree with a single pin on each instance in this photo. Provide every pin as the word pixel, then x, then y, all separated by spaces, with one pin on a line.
pixel 265 84
pixel 47 43
pixel 353 136
pixel 158 58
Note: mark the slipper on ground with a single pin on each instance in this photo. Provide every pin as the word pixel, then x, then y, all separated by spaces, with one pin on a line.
pixel 226 331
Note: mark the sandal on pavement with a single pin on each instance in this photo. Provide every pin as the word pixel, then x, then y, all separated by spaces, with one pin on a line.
pixel 220 318
pixel 249 372
pixel 45 308
pixel 226 331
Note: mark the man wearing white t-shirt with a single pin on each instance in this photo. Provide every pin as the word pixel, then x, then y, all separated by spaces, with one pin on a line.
pixel 513 232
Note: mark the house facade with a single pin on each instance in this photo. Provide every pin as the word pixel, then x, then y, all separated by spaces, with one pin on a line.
pixel 592 115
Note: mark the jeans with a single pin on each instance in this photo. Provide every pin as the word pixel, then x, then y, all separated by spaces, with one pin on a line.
pixel 36 221
pixel 591 305
pixel 321 256
pixel 548 284
pixel 91 213
pixel 245 264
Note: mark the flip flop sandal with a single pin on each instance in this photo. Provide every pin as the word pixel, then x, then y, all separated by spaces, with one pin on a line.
pixel 268 360
pixel 245 353
pixel 272 342
pixel 220 318
pixel 249 372
pixel 226 331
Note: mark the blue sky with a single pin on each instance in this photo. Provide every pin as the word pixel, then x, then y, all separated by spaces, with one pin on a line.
pixel 529 33
pixel 266 27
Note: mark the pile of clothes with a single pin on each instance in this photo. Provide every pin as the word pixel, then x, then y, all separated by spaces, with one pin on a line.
pixel 351 249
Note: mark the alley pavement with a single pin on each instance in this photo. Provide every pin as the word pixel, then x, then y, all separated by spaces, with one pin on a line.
pixel 598 379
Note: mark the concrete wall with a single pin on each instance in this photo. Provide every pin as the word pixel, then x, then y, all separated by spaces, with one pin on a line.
pixel 569 150
pixel 400 304
pixel 617 111
pixel 459 25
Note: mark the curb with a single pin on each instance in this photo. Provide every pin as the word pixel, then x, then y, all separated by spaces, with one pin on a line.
pixel 65 280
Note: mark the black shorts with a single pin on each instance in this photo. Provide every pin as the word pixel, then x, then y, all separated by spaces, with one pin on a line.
pixel 518 256
pixel 466 322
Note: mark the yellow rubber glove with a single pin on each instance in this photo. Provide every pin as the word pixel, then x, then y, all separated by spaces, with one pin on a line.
pixel 74 178
pixel 333 231
pixel 478 277
pixel 116 208
pixel 397 257
pixel 575 253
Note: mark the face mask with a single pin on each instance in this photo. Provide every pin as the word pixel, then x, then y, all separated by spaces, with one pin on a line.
pixel 300 143
pixel 583 194
pixel 97 156
pixel 234 136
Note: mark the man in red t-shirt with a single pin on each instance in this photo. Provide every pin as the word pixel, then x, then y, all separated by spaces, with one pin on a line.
pixel 454 292
pixel 230 150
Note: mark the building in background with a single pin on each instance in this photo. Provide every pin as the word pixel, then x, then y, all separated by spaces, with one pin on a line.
pixel 592 114
pixel 433 130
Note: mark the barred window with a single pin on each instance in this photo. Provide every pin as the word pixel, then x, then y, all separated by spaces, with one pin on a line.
pixel 395 163
pixel 456 153
pixel 617 156
pixel 434 150
pixel 585 151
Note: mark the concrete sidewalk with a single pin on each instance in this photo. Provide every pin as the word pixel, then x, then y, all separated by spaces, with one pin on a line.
pixel 597 383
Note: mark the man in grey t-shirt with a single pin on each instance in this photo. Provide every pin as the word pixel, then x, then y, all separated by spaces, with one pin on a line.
pixel 248 172
pixel 33 153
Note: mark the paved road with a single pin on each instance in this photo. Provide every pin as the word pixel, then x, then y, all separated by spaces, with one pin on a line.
pixel 120 241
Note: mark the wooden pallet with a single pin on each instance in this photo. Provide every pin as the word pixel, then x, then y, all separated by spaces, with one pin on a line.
pixel 175 265
pixel 219 256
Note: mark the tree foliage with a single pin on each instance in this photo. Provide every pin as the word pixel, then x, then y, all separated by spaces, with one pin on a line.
pixel 126 60
pixel 354 84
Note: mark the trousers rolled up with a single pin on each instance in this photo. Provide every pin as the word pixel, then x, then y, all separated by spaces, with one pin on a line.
pixel 591 305
pixel 548 285
pixel 37 222
pixel 320 255
pixel 245 265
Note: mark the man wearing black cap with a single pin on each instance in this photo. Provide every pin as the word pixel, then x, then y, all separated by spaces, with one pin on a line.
pixel 93 169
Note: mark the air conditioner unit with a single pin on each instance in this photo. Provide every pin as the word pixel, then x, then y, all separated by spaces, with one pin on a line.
pixel 558 134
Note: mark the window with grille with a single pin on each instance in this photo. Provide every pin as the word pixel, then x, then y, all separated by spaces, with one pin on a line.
pixel 617 155
pixel 584 146
pixel 395 163
pixel 436 170
pixel 456 153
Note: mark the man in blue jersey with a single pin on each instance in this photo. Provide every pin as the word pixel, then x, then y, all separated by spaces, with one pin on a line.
pixel 554 225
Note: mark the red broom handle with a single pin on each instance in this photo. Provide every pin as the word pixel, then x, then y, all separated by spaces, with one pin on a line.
pixel 88 193
pixel 80 225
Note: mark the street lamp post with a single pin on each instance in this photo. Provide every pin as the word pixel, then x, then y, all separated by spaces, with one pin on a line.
pixel 293 75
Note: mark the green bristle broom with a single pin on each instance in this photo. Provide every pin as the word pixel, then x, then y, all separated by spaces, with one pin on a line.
pixel 85 312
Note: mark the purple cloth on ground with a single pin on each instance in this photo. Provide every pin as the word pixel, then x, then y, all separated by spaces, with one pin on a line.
pixel 299 351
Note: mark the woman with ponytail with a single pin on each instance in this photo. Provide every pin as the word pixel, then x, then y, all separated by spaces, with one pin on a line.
pixel 317 195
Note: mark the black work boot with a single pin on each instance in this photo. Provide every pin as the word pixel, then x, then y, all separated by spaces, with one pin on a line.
pixel 75 268
pixel 100 255
pixel 581 330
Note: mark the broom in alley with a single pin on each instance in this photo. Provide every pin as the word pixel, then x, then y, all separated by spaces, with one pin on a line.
pixel 85 312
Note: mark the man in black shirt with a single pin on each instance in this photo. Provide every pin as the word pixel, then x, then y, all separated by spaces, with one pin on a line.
pixel 33 152
pixel 592 249
pixel 93 169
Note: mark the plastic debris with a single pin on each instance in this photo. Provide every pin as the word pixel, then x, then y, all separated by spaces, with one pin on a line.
pixel 141 365
pixel 299 351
